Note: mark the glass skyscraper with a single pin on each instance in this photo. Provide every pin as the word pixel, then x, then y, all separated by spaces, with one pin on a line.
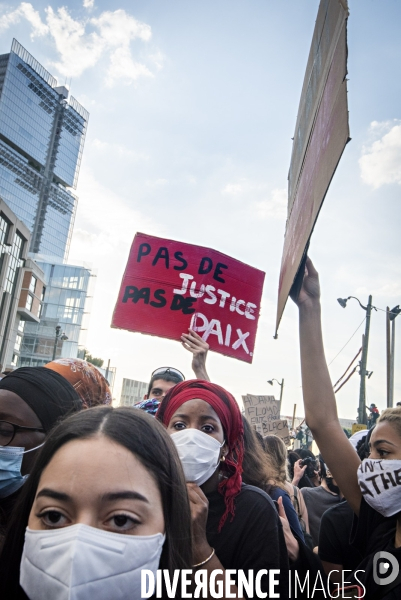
pixel 42 135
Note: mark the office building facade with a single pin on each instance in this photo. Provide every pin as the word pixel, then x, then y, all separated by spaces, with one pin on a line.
pixel 21 285
pixel 42 135
pixel 132 392
pixel 64 305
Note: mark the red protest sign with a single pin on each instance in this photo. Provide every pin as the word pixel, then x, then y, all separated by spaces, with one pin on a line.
pixel 169 286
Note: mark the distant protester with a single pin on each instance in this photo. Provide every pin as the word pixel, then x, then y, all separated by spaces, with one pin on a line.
pixel 235 526
pixel 164 378
pixel 105 499
pixel 277 451
pixel 85 378
pixel 32 401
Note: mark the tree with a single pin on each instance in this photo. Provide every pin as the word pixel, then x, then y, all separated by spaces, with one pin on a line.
pixel 97 362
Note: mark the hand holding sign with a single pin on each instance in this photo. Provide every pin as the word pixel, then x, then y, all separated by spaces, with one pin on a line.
pixel 194 343
pixel 170 286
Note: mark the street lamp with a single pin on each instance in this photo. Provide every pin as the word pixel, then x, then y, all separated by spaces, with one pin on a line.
pixel 391 315
pixel 281 386
pixel 58 336
pixel 362 365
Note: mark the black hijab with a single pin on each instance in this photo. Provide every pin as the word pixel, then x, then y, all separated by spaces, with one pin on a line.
pixel 48 394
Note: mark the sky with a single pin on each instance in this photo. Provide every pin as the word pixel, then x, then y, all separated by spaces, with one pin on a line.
pixel 192 109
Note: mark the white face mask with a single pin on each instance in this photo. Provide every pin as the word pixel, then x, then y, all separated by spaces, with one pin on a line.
pixel 380 483
pixel 199 454
pixel 81 562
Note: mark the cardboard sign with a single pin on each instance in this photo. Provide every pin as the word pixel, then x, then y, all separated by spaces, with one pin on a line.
pixel 279 428
pixel 260 411
pixel 321 134
pixel 169 286
pixel 357 427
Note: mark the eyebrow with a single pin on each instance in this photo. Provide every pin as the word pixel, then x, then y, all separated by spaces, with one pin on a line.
pixel 203 417
pixel 53 494
pixel 124 495
pixel 110 497
pixel 382 442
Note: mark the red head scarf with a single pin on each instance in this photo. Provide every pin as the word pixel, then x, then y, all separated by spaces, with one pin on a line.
pixel 229 414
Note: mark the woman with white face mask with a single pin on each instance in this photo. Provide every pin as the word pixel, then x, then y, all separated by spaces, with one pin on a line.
pixel 235 526
pixel 371 487
pixel 105 499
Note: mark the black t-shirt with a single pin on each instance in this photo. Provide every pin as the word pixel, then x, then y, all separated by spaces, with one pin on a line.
pixel 334 537
pixel 254 539
pixel 373 533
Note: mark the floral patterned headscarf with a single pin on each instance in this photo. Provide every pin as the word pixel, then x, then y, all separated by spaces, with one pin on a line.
pixel 89 383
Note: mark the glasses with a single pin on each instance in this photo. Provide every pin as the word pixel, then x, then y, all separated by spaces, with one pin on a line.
pixel 168 371
pixel 8 431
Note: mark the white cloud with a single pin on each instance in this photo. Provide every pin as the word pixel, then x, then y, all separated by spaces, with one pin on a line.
pixel 81 43
pixel 118 150
pixel 380 162
pixel 27 12
pixel 387 290
pixel 275 206
pixel 264 202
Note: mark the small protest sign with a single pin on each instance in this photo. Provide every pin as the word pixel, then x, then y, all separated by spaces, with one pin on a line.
pixel 261 410
pixel 357 427
pixel 170 286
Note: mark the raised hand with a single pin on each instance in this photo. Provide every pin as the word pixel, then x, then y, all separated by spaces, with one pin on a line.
pixel 199 348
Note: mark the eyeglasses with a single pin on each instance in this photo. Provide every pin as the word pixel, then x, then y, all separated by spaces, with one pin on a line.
pixel 168 371
pixel 8 431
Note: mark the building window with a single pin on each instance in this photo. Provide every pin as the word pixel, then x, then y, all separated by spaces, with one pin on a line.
pixel 32 285
pixel 18 341
pixel 29 301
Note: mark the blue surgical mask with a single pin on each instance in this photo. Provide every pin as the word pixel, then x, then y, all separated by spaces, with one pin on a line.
pixel 10 469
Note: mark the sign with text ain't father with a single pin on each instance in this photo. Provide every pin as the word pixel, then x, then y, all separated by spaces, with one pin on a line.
pixel 171 286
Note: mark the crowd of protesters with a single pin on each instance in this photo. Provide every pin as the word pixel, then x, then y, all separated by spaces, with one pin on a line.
pixel 91 495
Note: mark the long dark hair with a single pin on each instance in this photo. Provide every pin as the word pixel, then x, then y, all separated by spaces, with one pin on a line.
pixel 257 468
pixel 149 442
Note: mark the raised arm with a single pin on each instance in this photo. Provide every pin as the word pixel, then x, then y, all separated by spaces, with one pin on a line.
pixel 194 343
pixel 320 403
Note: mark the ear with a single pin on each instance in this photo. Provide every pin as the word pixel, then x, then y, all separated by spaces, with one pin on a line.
pixel 146 397
pixel 224 450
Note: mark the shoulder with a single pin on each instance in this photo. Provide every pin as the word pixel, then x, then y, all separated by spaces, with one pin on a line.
pixel 253 495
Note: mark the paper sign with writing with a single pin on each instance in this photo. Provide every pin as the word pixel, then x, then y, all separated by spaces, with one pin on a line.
pixel 261 410
pixel 279 428
pixel 357 427
pixel 169 286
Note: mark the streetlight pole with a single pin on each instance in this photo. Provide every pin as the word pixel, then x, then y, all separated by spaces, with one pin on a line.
pixel 58 329
pixel 281 388
pixel 391 315
pixel 362 371
pixel 362 365
pixel 59 336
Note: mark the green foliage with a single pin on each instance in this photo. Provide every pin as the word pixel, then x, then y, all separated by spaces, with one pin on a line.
pixel 97 362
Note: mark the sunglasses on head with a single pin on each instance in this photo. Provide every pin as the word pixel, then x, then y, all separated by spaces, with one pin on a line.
pixel 168 371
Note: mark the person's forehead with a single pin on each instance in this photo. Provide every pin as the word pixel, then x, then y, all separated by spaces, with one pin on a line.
pixel 97 466
pixel 197 408
pixel 14 409
pixel 162 384
pixel 385 431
